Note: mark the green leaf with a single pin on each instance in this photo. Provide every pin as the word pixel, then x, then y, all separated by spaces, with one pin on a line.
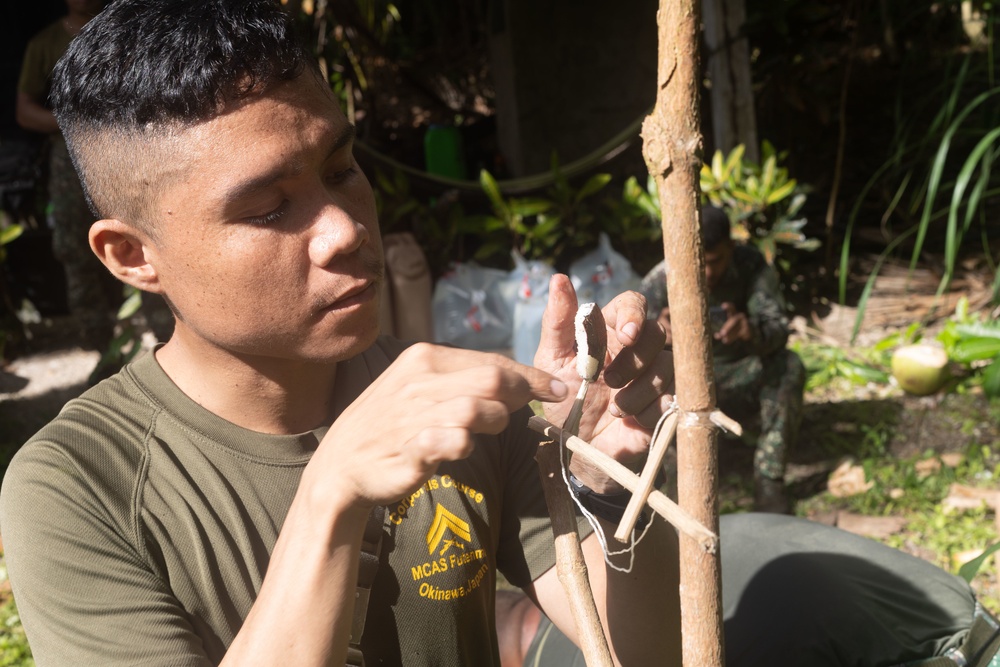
pixel 991 378
pixel 887 343
pixel 492 190
pixel 717 167
pixel 975 349
pixel 969 570
pixel 989 329
pixel 937 171
pixel 953 236
pixel 767 175
pixel 593 184
pixel 130 306
pixel 529 207
pixel 8 234
pixel 735 162
pixel 780 193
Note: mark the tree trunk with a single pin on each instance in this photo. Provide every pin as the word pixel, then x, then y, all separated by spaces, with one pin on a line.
pixel 672 147
pixel 734 120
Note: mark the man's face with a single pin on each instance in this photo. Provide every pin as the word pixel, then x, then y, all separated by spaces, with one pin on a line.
pixel 266 238
pixel 716 262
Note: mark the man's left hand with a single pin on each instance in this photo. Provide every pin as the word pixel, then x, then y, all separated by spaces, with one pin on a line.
pixel 624 404
pixel 736 328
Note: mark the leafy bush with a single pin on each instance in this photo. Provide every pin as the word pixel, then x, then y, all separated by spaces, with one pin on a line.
pixel 762 200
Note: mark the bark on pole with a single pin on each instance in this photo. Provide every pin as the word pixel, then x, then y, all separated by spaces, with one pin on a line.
pixel 672 149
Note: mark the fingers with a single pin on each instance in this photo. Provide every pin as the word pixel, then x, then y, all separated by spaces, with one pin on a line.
pixel 648 389
pixel 492 384
pixel 626 315
pixel 631 361
pixel 557 335
pixel 516 385
pixel 651 414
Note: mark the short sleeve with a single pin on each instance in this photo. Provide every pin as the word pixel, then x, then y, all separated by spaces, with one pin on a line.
pixel 85 594
pixel 35 72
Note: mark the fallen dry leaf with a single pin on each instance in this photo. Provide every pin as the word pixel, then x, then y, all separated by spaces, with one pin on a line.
pixel 952 459
pixel 927 467
pixel 962 497
pixel 870 526
pixel 896 493
pixel 962 557
pixel 848 480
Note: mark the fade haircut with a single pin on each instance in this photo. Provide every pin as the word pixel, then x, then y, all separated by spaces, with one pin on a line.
pixel 715 227
pixel 142 70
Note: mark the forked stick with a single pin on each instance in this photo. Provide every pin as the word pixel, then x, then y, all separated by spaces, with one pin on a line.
pixel 571 568
pixel 647 479
pixel 570 565
pixel 660 503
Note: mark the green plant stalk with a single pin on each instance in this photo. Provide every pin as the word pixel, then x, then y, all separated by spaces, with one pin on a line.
pixel 953 237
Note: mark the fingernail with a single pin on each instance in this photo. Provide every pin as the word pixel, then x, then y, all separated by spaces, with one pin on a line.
pixel 612 379
pixel 613 409
pixel 631 330
pixel 559 388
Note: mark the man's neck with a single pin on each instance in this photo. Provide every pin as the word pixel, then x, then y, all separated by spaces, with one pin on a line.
pixel 266 395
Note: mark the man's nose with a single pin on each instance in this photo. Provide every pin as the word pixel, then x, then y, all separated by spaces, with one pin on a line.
pixel 335 233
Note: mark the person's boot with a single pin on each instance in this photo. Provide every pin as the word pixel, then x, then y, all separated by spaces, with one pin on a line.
pixel 770 496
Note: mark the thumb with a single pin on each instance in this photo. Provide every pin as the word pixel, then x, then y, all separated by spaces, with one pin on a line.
pixel 557 337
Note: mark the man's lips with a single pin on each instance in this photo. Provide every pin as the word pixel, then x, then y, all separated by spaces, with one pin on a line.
pixel 358 294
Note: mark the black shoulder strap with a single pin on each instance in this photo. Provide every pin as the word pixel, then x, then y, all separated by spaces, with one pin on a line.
pixel 371 543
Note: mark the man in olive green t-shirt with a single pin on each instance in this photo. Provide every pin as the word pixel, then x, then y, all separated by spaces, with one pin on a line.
pixel 87 283
pixel 218 501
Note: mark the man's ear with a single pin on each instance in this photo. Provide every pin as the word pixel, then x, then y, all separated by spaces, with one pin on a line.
pixel 126 252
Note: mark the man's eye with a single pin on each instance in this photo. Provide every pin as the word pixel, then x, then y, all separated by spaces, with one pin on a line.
pixel 268 218
pixel 344 174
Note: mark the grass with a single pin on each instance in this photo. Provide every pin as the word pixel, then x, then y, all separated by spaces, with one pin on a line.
pixel 14 649
pixel 912 455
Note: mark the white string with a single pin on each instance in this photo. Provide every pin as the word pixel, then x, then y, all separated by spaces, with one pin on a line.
pixel 594 523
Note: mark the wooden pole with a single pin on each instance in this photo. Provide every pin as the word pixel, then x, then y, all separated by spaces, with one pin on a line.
pixel 672 146
pixel 570 564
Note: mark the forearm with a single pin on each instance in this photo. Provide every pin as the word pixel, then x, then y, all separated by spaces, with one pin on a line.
pixel 641 609
pixel 302 615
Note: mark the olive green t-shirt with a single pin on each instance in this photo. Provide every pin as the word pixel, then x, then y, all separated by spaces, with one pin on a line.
pixel 40 57
pixel 138 527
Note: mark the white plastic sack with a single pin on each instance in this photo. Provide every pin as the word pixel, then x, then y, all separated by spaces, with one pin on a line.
pixel 602 274
pixel 470 309
pixel 531 294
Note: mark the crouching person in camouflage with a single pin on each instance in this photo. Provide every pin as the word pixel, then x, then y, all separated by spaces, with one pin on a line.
pixel 754 372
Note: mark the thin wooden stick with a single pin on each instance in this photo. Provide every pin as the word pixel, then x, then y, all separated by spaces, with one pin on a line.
pixel 647 479
pixel 570 565
pixel 671 138
pixel 660 503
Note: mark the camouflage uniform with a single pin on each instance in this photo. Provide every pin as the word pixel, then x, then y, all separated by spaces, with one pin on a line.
pixel 89 287
pixel 760 375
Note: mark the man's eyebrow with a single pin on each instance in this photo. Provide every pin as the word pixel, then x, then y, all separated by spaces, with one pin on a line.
pixel 254 183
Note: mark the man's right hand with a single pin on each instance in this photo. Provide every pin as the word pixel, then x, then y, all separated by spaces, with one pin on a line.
pixel 423 410
pixel 664 321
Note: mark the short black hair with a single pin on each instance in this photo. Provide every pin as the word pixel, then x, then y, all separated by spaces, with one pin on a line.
pixel 142 62
pixel 715 227
pixel 142 69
